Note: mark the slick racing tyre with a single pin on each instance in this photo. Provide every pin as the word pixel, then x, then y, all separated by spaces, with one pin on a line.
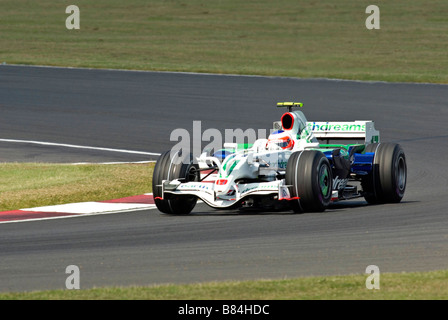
pixel 168 168
pixel 387 181
pixel 309 175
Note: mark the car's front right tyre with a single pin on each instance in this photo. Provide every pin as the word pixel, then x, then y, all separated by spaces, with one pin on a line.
pixel 309 175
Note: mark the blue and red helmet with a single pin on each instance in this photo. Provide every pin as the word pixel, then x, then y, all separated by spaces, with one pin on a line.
pixel 280 140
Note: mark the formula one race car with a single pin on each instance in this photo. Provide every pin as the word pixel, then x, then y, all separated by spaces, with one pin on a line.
pixel 302 166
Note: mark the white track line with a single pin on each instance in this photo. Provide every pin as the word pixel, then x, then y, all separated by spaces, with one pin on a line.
pixel 132 162
pixel 42 143
pixel 4 63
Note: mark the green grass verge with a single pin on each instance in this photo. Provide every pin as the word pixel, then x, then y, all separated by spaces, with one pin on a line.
pixel 400 286
pixel 281 38
pixel 26 185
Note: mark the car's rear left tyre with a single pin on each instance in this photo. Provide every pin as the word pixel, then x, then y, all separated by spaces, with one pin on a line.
pixel 309 175
pixel 387 181
pixel 170 168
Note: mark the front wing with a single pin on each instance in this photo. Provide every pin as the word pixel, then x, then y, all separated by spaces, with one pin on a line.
pixel 205 191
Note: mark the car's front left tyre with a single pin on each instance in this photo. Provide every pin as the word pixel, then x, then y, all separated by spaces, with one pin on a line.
pixel 170 167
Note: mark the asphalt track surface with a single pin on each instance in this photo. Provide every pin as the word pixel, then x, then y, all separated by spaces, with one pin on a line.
pixel 139 110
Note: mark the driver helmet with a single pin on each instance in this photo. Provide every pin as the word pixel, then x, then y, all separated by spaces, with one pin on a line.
pixel 280 140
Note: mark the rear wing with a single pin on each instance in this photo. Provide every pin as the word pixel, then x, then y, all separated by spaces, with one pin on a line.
pixel 352 130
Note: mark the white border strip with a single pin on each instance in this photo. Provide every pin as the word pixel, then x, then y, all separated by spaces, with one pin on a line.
pixel 79 147
pixel 90 207
pixel 78 215
pixel 74 212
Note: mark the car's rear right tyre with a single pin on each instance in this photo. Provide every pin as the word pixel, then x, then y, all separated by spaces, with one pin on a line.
pixel 386 183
